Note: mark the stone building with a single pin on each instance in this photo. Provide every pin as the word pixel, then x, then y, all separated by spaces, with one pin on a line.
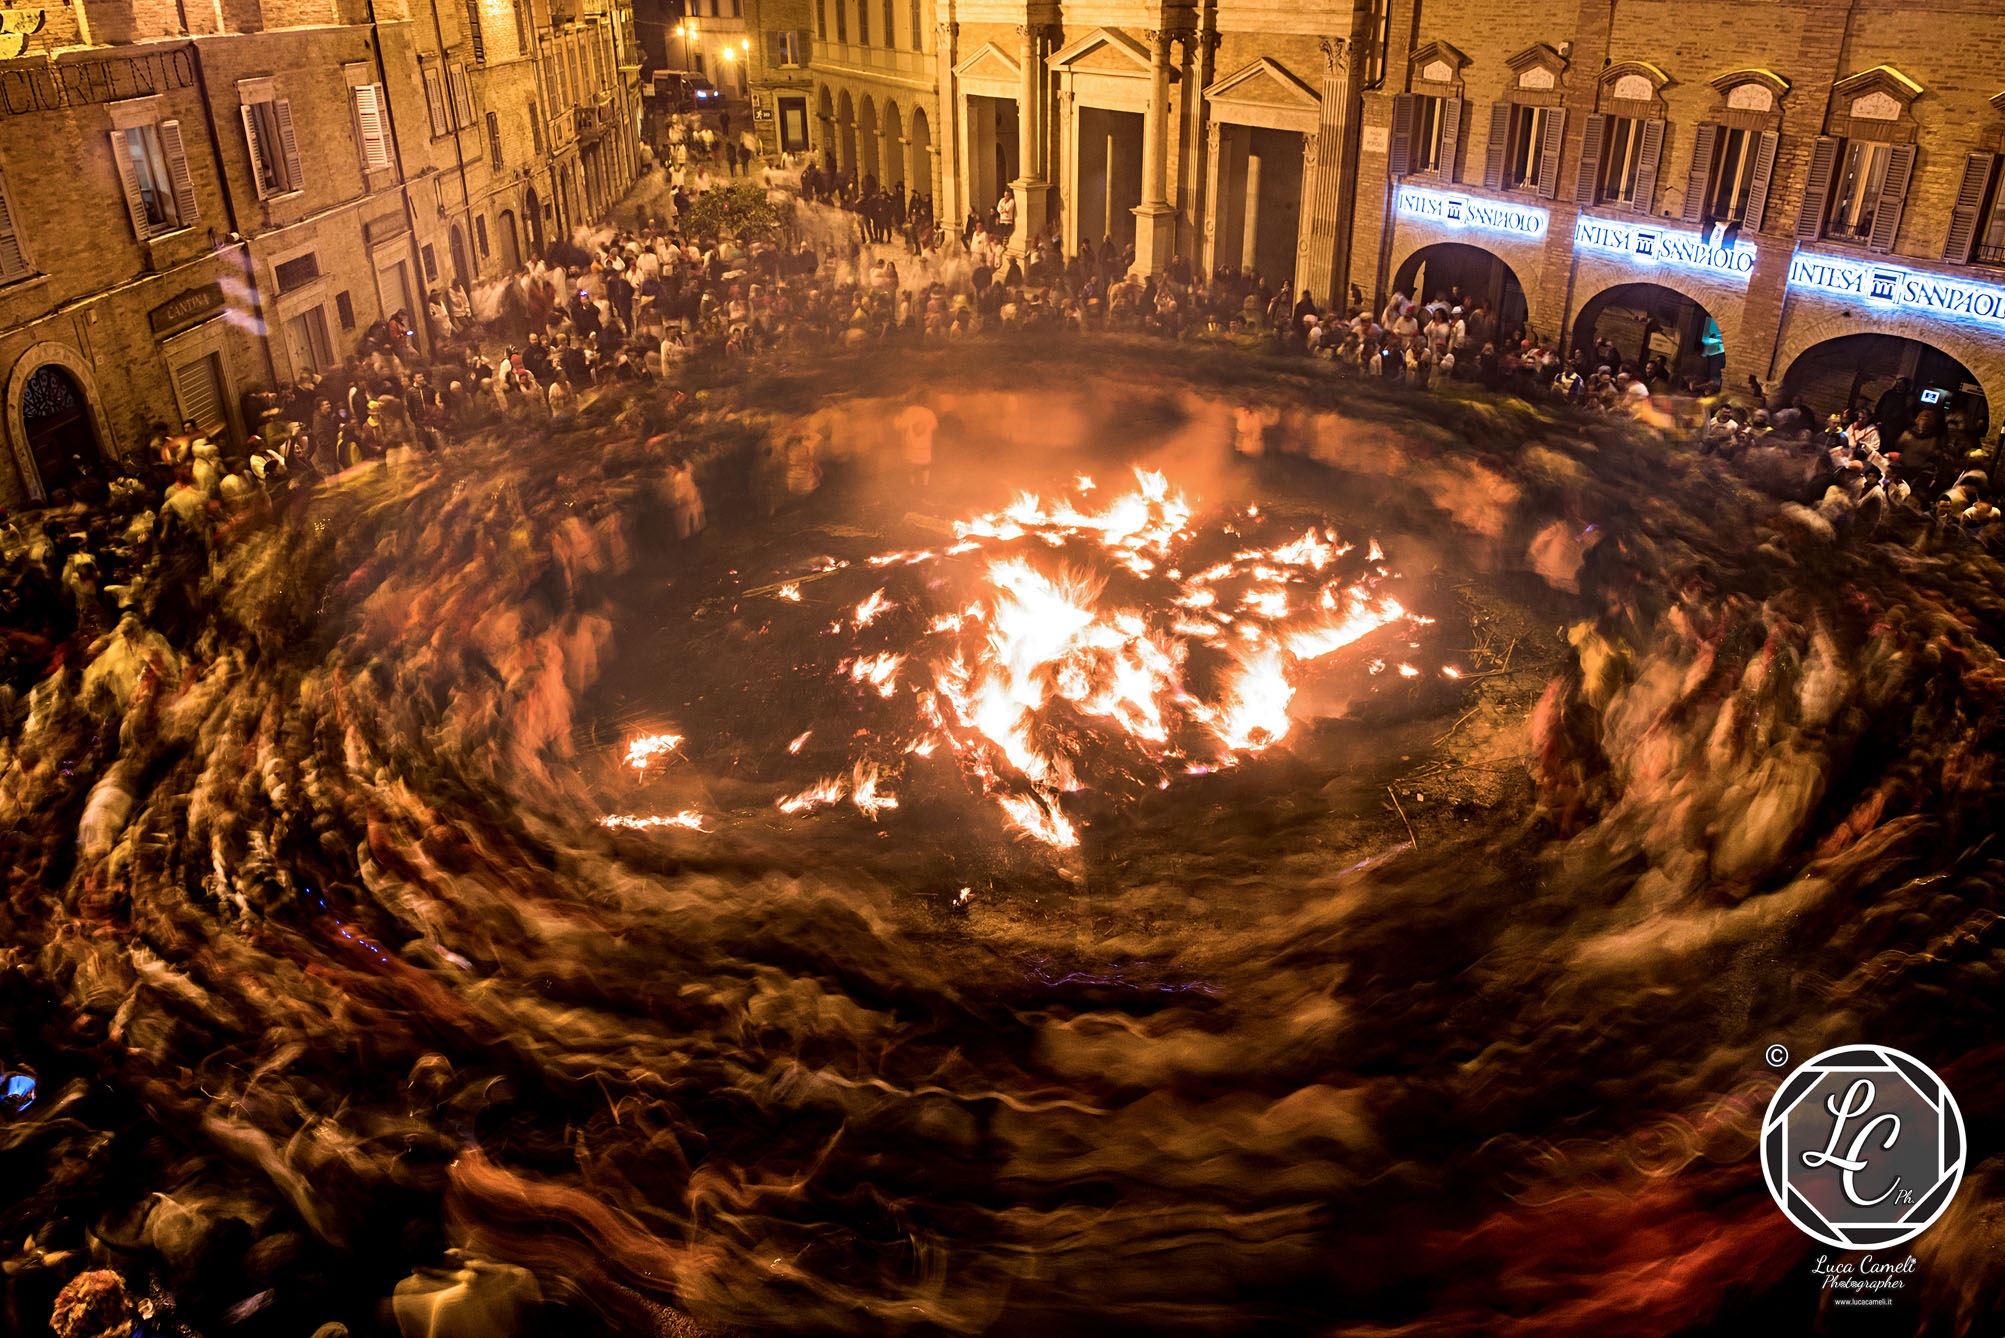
pixel 878 95
pixel 193 206
pixel 1806 192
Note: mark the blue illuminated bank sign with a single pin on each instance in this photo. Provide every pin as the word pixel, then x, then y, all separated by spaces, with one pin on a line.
pixel 1921 294
pixel 1460 211
pixel 1647 245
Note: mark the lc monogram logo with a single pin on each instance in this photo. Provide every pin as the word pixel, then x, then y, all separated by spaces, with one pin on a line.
pixel 1863 1147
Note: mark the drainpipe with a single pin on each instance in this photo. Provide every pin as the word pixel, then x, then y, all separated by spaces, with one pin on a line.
pixel 242 264
pixel 403 186
pixel 459 152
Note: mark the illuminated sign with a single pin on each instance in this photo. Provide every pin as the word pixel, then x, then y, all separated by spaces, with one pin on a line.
pixel 1457 211
pixel 1647 245
pixel 1891 286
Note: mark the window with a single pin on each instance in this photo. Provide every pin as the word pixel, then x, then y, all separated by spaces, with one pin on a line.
pixel 1856 197
pixel 372 131
pixel 435 102
pixel 1976 222
pixel 1729 177
pixel 1856 191
pixel 1426 154
pixel 153 169
pixel 494 140
pixel 791 46
pixel 462 100
pixel 306 333
pixel 14 262
pixel 1619 158
pixel 737 9
pixel 274 150
pixel 863 22
pixel 1990 237
pixel 918 27
pixel 1732 177
pixel 1526 147
pixel 344 309
pixel 521 29
pixel 1621 150
pixel 480 234
pixel 821 19
pixel 535 127
pixel 431 262
pixel 297 272
pixel 841 20
pixel 891 23
pixel 473 30
pixel 1426 131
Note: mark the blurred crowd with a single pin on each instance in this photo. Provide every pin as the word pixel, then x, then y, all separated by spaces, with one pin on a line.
pixel 112 587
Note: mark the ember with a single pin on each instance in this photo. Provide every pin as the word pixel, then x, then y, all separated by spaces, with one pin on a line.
pixel 1082 638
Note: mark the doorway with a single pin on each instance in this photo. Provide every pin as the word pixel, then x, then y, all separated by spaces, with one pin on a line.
pixel 1109 181
pixel 532 209
pixel 393 288
pixel 1259 204
pixel 511 244
pixel 992 149
pixel 62 437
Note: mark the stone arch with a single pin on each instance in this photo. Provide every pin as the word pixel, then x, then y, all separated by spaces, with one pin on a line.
pixel 1682 310
pixel 32 360
pixel 845 133
pixel 893 157
pixel 1982 355
pixel 868 163
pixel 825 115
pixel 1413 253
pixel 919 168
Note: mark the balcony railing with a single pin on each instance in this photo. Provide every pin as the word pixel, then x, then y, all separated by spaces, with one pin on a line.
pixel 1989 255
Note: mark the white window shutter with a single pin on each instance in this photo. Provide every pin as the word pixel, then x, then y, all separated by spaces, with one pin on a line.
pixel 435 101
pixel 288 144
pixel 121 161
pixel 462 104
pixel 199 395
pixel 258 178
pixel 369 127
pixel 14 262
pixel 177 169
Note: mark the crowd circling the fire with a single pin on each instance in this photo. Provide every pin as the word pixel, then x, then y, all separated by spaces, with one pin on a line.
pixel 114 569
pixel 854 264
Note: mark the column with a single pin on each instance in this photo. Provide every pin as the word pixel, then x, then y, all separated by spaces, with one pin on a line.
pixel 1032 190
pixel 948 207
pixel 1324 263
pixel 1208 256
pixel 1249 239
pixel 1155 216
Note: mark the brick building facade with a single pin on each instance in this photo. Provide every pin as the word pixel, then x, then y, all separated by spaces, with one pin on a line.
pixel 1735 184
pixel 195 207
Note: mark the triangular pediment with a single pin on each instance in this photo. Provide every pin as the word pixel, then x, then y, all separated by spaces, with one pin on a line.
pixel 1104 51
pixel 989 61
pixel 1267 82
pixel 1437 63
pixel 1884 79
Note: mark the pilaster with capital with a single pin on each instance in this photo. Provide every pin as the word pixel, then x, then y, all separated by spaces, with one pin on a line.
pixel 1323 245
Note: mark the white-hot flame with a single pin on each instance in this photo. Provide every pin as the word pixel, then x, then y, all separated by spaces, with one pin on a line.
pixel 1047 646
pixel 648 747
pixel 688 819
